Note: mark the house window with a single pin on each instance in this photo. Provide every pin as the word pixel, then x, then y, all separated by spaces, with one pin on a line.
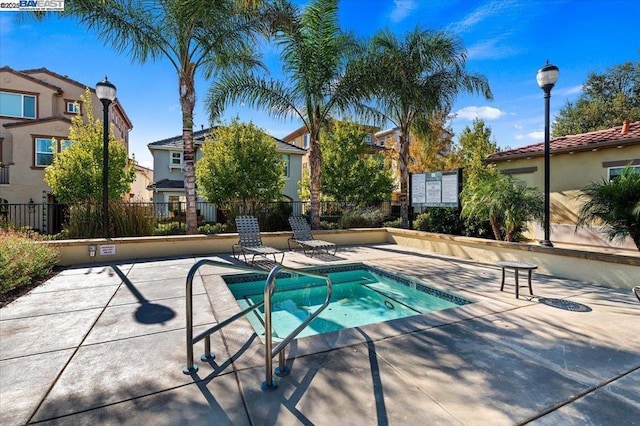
pixel 614 172
pixel 286 160
pixel 175 160
pixel 44 152
pixel 367 139
pixel 45 149
pixel 306 143
pixel 73 107
pixel 17 105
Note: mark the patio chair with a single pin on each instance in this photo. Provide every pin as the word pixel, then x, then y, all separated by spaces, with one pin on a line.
pixel 250 242
pixel 302 236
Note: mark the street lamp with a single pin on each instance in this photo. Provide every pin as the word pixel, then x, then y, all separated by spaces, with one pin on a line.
pixel 106 92
pixel 547 77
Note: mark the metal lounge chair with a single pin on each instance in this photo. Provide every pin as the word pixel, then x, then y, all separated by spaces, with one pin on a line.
pixel 250 242
pixel 302 236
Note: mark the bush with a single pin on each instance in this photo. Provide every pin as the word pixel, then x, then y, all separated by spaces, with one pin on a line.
pixel 395 223
pixel 444 220
pixel 171 228
pixel 275 217
pixel 328 225
pixel 23 260
pixel 359 217
pixel 213 228
pixel 125 220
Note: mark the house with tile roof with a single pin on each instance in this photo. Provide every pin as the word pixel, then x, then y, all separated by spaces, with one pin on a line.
pixel 575 162
pixel 168 185
pixel 36 106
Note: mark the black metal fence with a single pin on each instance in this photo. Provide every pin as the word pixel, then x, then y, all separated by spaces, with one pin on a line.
pixel 51 218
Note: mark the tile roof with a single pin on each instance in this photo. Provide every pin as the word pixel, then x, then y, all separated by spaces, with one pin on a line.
pixel 167 184
pixel 31 122
pixel 575 143
pixel 175 142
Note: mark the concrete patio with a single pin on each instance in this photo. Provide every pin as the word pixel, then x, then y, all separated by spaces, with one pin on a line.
pixel 106 345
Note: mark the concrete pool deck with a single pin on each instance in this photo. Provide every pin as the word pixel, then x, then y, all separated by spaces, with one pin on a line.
pixel 106 345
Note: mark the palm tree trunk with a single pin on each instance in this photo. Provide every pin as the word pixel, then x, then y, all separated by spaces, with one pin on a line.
pixel 403 165
pixel 495 227
pixel 315 169
pixel 187 103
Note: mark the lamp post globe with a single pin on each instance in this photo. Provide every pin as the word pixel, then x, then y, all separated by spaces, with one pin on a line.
pixel 106 92
pixel 547 77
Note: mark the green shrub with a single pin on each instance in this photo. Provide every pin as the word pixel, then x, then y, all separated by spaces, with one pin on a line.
pixel 125 220
pixel 444 220
pixel 23 260
pixel 395 223
pixel 275 217
pixel 213 228
pixel 362 217
pixel 328 225
pixel 170 228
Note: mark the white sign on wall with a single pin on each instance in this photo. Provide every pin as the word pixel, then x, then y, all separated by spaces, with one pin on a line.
pixel 435 189
pixel 107 250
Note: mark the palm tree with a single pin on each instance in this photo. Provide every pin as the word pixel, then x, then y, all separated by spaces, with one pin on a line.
pixel 415 78
pixel 192 34
pixel 506 204
pixel 319 78
pixel 615 204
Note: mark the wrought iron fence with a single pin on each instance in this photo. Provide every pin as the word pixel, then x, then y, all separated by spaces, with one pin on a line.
pixel 51 218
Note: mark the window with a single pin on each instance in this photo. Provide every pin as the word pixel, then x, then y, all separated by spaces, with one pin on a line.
pixel 367 139
pixel 306 142
pixel 73 107
pixel 17 105
pixel 614 172
pixel 286 160
pixel 44 152
pixel 175 160
pixel 45 149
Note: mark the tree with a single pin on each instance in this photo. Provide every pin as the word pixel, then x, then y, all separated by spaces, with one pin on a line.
pixel 607 100
pixel 431 145
pixel 615 204
pixel 75 176
pixel 192 35
pixel 505 203
pixel 349 171
pixel 413 78
pixel 319 79
pixel 240 166
pixel 475 145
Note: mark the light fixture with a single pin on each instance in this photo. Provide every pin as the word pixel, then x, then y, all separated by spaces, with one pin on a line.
pixel 547 77
pixel 32 205
pixel 106 92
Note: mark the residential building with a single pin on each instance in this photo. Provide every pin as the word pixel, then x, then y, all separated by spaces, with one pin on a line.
pixel 168 185
pixel 140 188
pixel 575 162
pixel 36 106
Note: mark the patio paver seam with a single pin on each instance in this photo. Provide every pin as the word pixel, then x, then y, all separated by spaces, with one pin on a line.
pixel 54 313
pixel 64 367
pixel 144 334
pixel 579 395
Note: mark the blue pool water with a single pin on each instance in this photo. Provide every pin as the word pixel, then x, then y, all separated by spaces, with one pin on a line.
pixel 361 295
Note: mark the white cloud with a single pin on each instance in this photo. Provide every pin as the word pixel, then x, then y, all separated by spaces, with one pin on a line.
pixel 519 137
pixel 537 136
pixel 480 14
pixel 568 91
pixel 484 113
pixel 490 49
pixel 402 10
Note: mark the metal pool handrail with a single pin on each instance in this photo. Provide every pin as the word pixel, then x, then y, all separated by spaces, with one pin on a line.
pixel 636 291
pixel 269 288
pixel 269 353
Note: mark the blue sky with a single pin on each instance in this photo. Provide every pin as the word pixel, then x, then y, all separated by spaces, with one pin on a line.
pixel 507 41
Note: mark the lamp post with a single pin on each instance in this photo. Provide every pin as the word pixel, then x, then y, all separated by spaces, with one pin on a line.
pixel 547 77
pixel 106 92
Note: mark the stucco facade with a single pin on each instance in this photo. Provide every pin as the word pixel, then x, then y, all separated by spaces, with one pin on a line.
pixel 575 162
pixel 36 106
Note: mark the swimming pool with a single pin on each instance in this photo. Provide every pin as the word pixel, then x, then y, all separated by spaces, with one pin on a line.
pixel 362 295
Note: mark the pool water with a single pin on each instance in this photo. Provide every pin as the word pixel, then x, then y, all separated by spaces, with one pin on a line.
pixel 361 295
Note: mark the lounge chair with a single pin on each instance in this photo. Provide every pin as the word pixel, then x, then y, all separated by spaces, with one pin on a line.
pixel 302 236
pixel 250 243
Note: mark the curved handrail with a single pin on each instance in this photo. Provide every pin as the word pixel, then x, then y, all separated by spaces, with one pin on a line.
pixel 270 352
pixel 636 291
pixel 191 367
pixel 269 288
